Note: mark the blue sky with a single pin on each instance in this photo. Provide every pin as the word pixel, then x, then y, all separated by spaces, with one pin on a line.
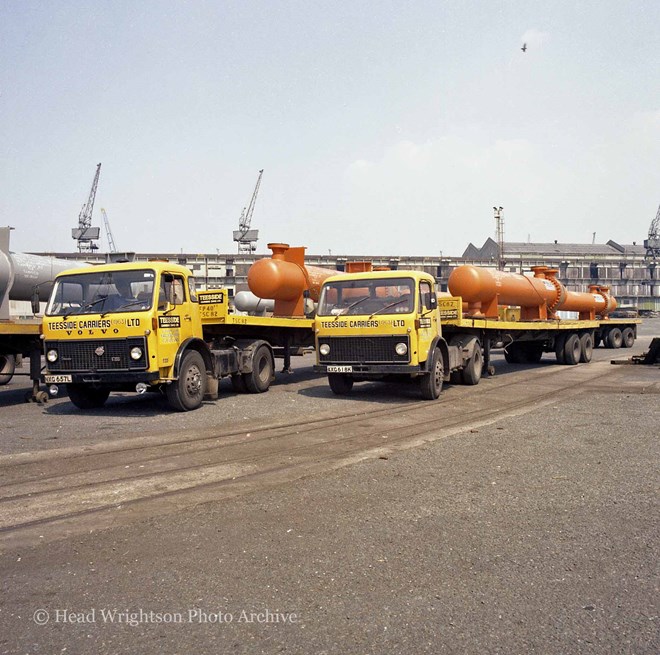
pixel 382 127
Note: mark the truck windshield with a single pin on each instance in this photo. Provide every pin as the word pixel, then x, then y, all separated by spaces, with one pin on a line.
pixel 102 292
pixel 366 297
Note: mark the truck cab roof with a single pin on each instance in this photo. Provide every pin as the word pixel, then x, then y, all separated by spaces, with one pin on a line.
pixel 370 275
pixel 158 265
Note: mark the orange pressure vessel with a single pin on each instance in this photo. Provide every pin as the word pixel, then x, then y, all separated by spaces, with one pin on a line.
pixel 284 278
pixel 539 297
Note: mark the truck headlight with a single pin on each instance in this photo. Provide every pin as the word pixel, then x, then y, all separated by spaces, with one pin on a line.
pixel 324 349
pixel 136 353
pixel 52 355
pixel 401 348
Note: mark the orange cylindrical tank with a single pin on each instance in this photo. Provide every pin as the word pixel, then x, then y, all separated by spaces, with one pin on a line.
pixel 284 278
pixel 484 289
pixel 539 297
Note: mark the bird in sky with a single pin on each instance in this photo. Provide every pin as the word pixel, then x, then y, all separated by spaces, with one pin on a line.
pixel 524 47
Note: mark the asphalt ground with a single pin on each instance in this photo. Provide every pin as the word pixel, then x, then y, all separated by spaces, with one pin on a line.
pixel 531 532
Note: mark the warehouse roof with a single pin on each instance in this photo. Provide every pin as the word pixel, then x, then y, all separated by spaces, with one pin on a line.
pixel 511 249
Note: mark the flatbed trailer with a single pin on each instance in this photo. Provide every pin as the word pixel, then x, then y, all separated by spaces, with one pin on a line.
pixel 527 341
pixel 19 339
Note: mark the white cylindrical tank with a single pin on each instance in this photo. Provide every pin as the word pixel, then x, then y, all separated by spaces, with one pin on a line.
pixel 246 301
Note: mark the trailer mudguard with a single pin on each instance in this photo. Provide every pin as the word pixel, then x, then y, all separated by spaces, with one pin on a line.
pixel 247 348
pixel 462 346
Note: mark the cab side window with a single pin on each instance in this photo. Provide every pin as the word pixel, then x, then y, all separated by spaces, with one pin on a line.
pixel 424 296
pixel 191 289
pixel 171 288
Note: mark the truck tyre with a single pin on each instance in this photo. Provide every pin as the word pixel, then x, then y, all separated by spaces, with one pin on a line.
pixel 586 347
pixel 533 352
pixel 85 397
pixel 513 354
pixel 614 338
pixel 471 374
pixel 431 383
pixel 572 350
pixel 260 378
pixel 340 384
pixel 238 383
pixel 627 338
pixel 187 392
pixel 560 347
pixel 7 367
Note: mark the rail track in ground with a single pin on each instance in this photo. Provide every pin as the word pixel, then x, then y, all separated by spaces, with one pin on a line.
pixel 51 495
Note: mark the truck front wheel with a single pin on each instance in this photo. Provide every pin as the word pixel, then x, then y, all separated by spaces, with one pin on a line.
pixel 431 383
pixel 187 392
pixel 85 397
pixel 340 384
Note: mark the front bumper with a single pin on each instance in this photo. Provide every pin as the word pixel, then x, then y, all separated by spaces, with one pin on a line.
pixel 107 379
pixel 375 369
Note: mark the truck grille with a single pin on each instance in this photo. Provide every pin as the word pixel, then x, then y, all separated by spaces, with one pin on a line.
pixel 365 350
pixel 97 355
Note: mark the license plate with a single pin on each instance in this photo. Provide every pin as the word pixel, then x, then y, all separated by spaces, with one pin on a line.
pixel 340 369
pixel 57 379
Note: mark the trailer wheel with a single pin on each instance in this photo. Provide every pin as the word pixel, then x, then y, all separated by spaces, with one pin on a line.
pixel 238 383
pixel 431 383
pixel 7 368
pixel 188 391
pixel 614 338
pixel 627 338
pixel 85 397
pixel 560 343
pixel 586 347
pixel 533 353
pixel 572 350
pixel 340 384
pixel 471 374
pixel 513 353
pixel 262 371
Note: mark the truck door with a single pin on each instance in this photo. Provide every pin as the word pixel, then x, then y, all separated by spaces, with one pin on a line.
pixel 176 319
pixel 427 320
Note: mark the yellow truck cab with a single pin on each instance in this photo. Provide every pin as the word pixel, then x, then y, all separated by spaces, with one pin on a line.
pixel 379 324
pixel 142 326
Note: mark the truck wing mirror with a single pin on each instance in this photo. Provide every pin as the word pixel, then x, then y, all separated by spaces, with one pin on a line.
pixel 34 300
pixel 433 301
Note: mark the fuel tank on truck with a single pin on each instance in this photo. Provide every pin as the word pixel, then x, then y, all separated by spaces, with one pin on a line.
pixel 539 297
pixel 285 278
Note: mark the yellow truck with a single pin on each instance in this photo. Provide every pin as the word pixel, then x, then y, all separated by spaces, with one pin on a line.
pixel 387 325
pixel 143 326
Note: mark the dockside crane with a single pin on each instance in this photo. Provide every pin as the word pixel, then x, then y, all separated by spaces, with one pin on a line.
pixel 652 244
pixel 111 242
pixel 85 234
pixel 244 236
